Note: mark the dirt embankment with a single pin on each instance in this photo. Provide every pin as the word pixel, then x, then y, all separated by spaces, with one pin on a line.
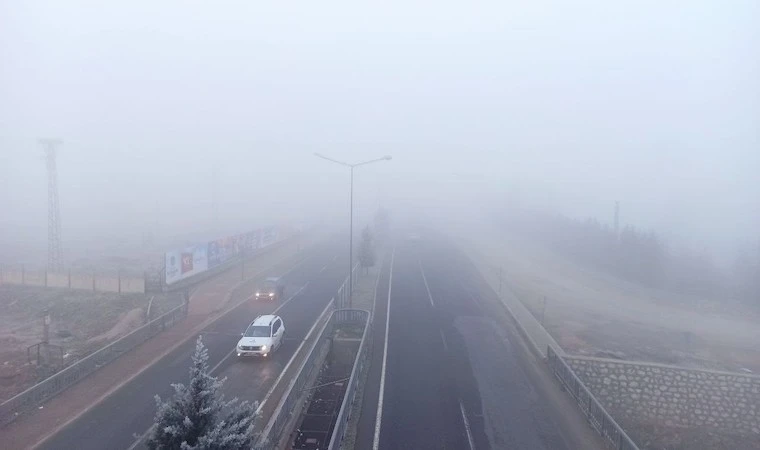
pixel 80 322
pixel 595 314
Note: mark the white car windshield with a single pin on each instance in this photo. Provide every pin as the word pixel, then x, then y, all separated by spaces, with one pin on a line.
pixel 257 331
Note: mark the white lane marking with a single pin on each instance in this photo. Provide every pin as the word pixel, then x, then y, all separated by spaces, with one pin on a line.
pixel 475 299
pixel 443 339
pixel 232 352
pixel 292 358
pixel 291 298
pixel 323 268
pixel 467 428
pixel 139 440
pixel 379 415
pixel 430 296
pixel 335 258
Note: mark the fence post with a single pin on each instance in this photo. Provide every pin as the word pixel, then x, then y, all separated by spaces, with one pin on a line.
pixel 118 275
pixel 93 281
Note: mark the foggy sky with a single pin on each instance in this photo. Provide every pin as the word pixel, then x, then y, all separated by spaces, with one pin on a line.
pixel 569 106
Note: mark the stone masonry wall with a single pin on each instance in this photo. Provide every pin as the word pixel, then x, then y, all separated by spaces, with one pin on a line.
pixel 673 396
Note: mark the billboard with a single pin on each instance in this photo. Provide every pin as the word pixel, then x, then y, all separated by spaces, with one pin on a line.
pixel 268 236
pixel 190 261
pixel 181 264
pixel 218 252
pixel 222 250
pixel 254 239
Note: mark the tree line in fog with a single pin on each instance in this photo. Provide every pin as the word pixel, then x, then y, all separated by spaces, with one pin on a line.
pixel 643 256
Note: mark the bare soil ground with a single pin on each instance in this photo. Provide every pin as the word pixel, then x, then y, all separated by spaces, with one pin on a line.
pixel 596 314
pixel 81 322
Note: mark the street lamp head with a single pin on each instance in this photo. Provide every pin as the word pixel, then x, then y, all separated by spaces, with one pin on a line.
pixel 387 157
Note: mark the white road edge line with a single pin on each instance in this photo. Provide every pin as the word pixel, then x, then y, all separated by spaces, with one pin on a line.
pixel 467 428
pixel 427 288
pixel 139 440
pixel 379 415
pixel 323 268
pixel 480 305
pixel 443 339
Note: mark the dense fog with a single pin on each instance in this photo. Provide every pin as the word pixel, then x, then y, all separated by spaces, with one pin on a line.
pixel 193 119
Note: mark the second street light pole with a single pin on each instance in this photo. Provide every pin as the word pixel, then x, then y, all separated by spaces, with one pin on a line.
pixel 351 218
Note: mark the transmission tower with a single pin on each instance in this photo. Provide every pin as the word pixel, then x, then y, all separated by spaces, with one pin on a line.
pixel 55 261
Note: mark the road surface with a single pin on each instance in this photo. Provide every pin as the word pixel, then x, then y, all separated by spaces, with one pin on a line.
pixel 453 373
pixel 115 422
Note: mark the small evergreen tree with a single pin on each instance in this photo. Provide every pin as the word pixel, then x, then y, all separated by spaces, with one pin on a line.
pixel 367 250
pixel 198 418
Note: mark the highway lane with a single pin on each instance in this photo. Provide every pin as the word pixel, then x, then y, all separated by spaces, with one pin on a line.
pixel 456 377
pixel 116 421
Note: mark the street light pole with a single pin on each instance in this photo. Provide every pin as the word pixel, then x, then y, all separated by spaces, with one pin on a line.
pixel 351 218
pixel 351 242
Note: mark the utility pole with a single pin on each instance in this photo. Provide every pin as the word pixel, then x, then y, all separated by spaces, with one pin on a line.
pixel 55 261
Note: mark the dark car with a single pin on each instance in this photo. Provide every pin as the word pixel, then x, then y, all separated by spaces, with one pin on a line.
pixel 271 289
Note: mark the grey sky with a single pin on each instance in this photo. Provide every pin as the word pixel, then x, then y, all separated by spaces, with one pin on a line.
pixel 574 104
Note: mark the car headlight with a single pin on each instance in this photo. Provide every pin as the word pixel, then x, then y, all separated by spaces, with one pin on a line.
pixel 257 294
pixel 271 294
pixel 263 348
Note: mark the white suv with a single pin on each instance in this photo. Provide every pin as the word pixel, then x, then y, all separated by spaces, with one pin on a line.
pixel 263 336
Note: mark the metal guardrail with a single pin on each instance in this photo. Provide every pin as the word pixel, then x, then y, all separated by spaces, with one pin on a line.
pixel 57 383
pixel 286 409
pixel 596 415
pixel 294 394
pixel 360 364
pixel 342 297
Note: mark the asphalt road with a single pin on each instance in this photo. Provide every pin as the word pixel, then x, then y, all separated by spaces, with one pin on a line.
pixel 115 422
pixel 454 375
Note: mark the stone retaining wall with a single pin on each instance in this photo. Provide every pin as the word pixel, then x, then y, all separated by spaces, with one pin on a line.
pixel 673 396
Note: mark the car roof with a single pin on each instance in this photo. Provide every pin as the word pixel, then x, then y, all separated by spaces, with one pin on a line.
pixel 273 279
pixel 264 320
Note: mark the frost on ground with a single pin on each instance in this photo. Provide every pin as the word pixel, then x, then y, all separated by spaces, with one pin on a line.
pixel 80 323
